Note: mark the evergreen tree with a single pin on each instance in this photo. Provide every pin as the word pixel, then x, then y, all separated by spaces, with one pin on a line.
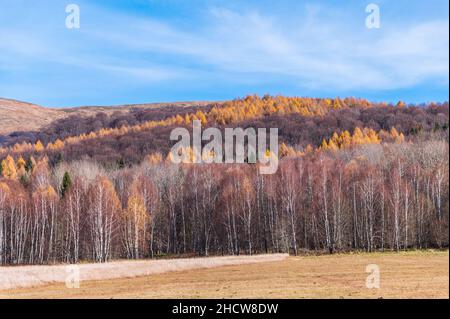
pixel 66 183
pixel 29 165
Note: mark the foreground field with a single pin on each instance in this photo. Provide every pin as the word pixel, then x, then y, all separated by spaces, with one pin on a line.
pixel 403 275
pixel 33 276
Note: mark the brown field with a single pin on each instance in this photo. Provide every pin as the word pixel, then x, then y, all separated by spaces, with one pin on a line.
pixel 418 274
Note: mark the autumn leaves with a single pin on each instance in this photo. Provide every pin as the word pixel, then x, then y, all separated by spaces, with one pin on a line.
pixel 227 113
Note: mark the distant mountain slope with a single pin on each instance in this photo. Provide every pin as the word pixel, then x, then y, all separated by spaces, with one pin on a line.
pixel 130 133
pixel 22 116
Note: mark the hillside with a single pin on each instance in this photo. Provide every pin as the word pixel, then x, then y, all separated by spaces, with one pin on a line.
pixel 17 116
pixel 128 133
pixel 350 175
pixel 21 116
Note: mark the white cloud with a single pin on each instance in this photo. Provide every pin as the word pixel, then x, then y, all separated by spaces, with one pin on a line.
pixel 316 51
pixel 314 54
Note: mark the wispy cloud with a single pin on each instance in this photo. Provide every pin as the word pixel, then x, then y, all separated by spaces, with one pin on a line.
pixel 319 50
pixel 311 54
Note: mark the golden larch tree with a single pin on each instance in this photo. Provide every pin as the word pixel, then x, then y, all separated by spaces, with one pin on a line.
pixel 9 169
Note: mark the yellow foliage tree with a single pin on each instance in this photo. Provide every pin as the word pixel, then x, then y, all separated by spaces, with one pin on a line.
pixel 336 139
pixel 332 146
pixel 57 145
pixel 38 146
pixel 20 163
pixel 21 171
pixel 358 136
pixel 324 145
pixel 187 119
pixel 345 138
pixel 179 120
pixel 201 116
pixel 398 138
pixel 9 169
pixel 135 219
pixel 155 158
pixel 286 151
pixel 401 104
pixel 372 136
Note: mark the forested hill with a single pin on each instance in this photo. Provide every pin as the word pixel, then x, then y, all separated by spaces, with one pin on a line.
pixel 351 175
pixel 129 134
pixel 22 120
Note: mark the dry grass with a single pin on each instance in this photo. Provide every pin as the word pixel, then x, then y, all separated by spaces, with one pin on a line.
pixel 12 277
pixel 22 116
pixel 403 275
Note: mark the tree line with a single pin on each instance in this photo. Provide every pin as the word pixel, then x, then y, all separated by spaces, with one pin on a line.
pixel 315 118
pixel 367 197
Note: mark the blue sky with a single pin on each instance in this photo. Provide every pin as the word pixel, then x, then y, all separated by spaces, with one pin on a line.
pixel 136 51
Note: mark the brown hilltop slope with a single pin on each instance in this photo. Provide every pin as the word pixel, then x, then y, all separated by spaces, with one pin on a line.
pixel 22 116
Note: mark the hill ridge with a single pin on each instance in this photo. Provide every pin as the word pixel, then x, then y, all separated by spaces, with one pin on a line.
pixel 16 115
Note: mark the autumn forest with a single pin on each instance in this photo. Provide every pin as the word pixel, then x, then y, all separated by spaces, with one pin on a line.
pixel 353 175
